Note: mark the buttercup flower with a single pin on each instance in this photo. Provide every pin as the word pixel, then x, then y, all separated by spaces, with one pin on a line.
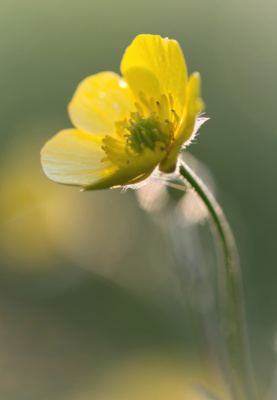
pixel 126 126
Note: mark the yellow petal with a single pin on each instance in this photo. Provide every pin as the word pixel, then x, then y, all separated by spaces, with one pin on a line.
pixel 99 101
pixel 194 105
pixel 155 66
pixel 73 157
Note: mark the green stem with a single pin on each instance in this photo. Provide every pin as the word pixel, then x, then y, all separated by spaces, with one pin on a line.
pixel 233 313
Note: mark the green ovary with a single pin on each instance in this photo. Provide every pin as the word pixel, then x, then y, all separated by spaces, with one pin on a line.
pixel 147 132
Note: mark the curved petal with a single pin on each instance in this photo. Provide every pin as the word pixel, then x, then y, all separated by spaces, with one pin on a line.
pixel 155 66
pixel 99 101
pixel 194 105
pixel 74 157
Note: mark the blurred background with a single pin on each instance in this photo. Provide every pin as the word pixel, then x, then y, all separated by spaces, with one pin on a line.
pixel 90 302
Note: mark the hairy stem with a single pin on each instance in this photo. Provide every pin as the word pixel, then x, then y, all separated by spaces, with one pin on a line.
pixel 233 319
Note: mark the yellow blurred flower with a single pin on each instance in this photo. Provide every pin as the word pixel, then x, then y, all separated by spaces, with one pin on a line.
pixel 126 126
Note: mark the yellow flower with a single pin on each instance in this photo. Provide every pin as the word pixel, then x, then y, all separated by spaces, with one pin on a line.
pixel 126 126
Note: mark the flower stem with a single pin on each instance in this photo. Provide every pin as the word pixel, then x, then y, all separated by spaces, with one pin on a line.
pixel 233 317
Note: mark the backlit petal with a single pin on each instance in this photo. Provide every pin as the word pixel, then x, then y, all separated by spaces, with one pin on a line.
pixel 75 157
pixel 194 105
pixel 155 66
pixel 99 101
pixel 139 168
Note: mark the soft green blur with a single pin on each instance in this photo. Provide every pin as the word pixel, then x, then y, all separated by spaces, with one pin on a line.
pixel 87 280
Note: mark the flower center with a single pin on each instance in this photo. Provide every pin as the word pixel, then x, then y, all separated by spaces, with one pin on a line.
pixel 141 132
pixel 152 126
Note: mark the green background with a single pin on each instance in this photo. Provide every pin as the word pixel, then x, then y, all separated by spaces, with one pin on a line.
pixel 84 281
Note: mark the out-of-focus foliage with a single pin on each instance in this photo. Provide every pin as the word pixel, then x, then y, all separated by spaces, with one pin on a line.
pixel 87 279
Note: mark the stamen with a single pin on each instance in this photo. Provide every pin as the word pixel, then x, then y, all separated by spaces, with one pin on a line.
pixel 170 100
pixel 165 106
pixel 144 100
pixel 152 104
pixel 139 108
pixel 151 125
pixel 104 159
pixel 176 117
pixel 146 132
